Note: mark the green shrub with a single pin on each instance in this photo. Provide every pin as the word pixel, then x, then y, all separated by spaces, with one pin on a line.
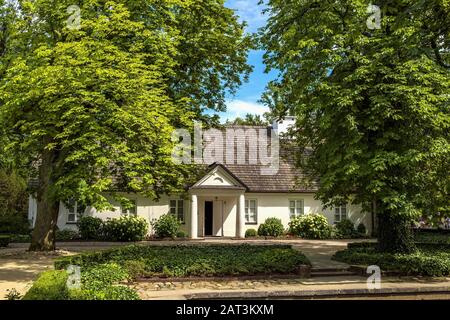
pixel 20 238
pixel 135 269
pixel 14 224
pixel 97 283
pixel 182 234
pixel 4 240
pixel 345 229
pixel 51 285
pixel 185 260
pixel 424 262
pixel 251 233
pixel 167 226
pixel 361 229
pixel 66 235
pixel 125 228
pixel 311 226
pixel 272 227
pixel 90 228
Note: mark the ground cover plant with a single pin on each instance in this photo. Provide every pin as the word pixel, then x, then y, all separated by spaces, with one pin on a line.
pixel 187 261
pixel 427 260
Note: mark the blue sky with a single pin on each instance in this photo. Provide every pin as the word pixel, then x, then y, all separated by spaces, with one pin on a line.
pixel 246 100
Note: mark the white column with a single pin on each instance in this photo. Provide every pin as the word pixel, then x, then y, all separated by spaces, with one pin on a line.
pixel 240 232
pixel 194 217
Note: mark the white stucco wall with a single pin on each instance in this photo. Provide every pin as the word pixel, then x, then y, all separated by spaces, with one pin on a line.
pixel 269 205
pixel 277 205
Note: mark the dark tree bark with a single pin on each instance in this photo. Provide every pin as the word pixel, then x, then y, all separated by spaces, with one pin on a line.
pixel 43 236
pixel 394 233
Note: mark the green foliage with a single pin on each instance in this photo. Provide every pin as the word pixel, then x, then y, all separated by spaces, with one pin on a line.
pixel 432 237
pixel 426 261
pixel 90 228
pixel 272 227
pixel 4 240
pixel 97 283
pixel 184 261
pixel 182 235
pixel 13 195
pixel 345 229
pixel 311 226
pixel 66 235
pixel 125 228
pixel 167 226
pixel 51 285
pixel 20 238
pixel 249 120
pixel 372 105
pixel 361 229
pixel 85 105
pixel 14 224
pixel 250 233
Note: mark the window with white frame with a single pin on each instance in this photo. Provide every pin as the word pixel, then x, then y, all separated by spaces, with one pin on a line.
pixel 177 209
pixel 75 211
pixel 129 211
pixel 296 208
pixel 251 211
pixel 340 213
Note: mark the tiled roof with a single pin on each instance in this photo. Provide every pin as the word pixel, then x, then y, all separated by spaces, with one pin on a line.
pixel 287 178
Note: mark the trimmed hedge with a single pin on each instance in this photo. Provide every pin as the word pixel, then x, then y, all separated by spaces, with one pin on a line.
pixel 251 233
pixel 51 285
pixel 185 260
pixel 272 227
pixel 97 283
pixel 427 261
pixel 4 240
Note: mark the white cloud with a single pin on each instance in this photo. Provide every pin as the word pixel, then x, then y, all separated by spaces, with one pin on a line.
pixel 249 11
pixel 239 108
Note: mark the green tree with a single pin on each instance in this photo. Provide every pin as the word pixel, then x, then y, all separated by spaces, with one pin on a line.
pixel 92 109
pixel 372 103
pixel 248 120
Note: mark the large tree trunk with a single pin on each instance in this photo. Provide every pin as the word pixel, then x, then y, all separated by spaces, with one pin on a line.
pixel 43 236
pixel 394 233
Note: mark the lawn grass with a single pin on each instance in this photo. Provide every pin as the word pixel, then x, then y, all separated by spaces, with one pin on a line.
pixel 194 261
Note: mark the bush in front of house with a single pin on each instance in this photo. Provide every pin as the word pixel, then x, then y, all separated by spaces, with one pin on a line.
pixel 345 229
pixel 167 226
pixel 272 227
pixel 67 235
pixel 426 261
pixel 251 233
pixel 184 260
pixel 4 240
pixel 125 228
pixel 90 228
pixel 182 235
pixel 311 226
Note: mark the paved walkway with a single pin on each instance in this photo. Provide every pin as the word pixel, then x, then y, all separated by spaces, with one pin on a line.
pixel 19 268
pixel 338 287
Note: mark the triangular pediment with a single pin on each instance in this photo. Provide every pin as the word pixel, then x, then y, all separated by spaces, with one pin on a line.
pixel 219 177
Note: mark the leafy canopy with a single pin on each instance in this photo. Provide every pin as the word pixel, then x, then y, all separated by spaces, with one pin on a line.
pixel 372 106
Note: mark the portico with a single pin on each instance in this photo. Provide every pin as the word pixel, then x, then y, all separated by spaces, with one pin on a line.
pixel 217 206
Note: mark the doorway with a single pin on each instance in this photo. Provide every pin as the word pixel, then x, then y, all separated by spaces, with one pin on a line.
pixel 209 221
